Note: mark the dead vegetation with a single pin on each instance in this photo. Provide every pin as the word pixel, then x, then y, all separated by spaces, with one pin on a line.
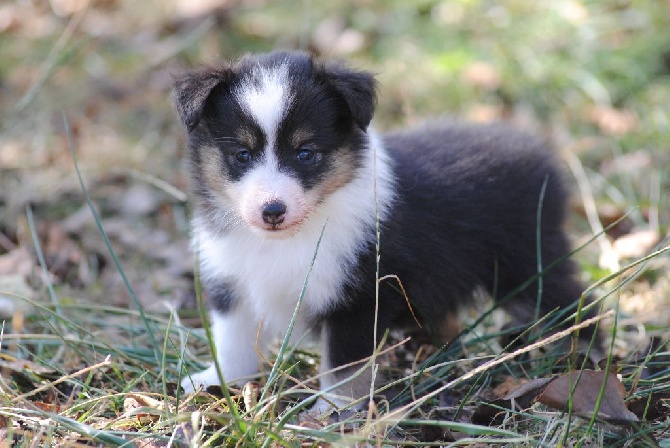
pixel 96 330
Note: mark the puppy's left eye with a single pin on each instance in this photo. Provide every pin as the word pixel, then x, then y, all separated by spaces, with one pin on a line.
pixel 243 156
pixel 306 154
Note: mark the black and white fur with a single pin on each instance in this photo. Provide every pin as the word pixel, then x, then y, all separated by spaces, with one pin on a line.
pixel 279 147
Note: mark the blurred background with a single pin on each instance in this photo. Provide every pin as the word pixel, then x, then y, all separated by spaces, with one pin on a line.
pixel 591 76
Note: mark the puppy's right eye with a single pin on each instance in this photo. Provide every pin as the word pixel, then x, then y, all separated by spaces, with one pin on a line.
pixel 243 156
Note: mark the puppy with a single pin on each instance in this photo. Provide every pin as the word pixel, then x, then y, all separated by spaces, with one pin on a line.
pixel 281 157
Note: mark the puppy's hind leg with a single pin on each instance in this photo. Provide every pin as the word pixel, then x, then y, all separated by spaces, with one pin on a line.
pixel 347 338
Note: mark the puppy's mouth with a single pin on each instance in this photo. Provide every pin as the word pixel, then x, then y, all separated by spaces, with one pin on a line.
pixel 277 231
pixel 276 220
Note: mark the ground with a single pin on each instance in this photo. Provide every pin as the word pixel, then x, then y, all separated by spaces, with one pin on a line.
pixel 85 90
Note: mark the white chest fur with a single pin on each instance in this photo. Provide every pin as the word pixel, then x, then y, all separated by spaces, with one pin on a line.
pixel 268 274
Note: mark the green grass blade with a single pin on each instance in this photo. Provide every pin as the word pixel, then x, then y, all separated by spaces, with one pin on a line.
pixel 108 244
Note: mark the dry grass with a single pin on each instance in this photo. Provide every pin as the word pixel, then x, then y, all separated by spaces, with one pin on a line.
pixel 92 345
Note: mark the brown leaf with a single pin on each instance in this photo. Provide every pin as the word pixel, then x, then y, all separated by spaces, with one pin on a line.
pixel 17 262
pixel 24 365
pixel 513 388
pixel 608 214
pixel 527 390
pixel 48 407
pixel 484 75
pixel 139 200
pixel 512 394
pixel 135 400
pixel 636 244
pixel 585 396
pixel 436 434
pixel 332 36
pixel 635 162
pixel 654 408
pixel 613 121
pixel 62 254
pixel 13 291
pixel 134 404
pixel 149 443
pixel 250 393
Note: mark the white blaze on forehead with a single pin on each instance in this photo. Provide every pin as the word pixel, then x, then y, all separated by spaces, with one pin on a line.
pixel 265 96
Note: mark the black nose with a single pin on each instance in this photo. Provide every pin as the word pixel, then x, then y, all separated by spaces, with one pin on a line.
pixel 273 212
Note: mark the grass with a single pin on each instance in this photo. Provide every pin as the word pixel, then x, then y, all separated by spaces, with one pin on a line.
pixel 96 362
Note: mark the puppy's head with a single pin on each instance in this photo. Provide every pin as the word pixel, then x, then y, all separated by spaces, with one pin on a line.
pixel 271 136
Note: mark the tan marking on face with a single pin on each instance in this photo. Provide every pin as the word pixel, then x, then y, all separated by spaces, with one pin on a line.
pixel 300 137
pixel 212 169
pixel 342 172
pixel 246 137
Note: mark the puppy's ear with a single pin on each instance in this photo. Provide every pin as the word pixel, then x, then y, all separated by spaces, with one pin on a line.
pixel 357 89
pixel 192 89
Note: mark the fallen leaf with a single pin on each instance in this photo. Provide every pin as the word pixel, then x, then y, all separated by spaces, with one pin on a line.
pixel 484 75
pixel 24 365
pixel 17 262
pixel 630 163
pixel 608 214
pixel 332 36
pixel 585 396
pixel 527 389
pixel 144 407
pixel 191 9
pixel 613 121
pixel 636 244
pixel 150 443
pixel 512 394
pixel 63 255
pixel 652 408
pixel 48 407
pixel 484 112
pixel 139 200
pixel 509 384
pixel 13 291
pixel 430 433
pixel 250 393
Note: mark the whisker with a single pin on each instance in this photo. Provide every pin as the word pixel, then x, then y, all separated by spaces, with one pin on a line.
pixel 227 220
pixel 226 139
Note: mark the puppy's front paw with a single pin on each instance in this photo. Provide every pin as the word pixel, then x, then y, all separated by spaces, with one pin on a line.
pixel 207 377
pixel 322 407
